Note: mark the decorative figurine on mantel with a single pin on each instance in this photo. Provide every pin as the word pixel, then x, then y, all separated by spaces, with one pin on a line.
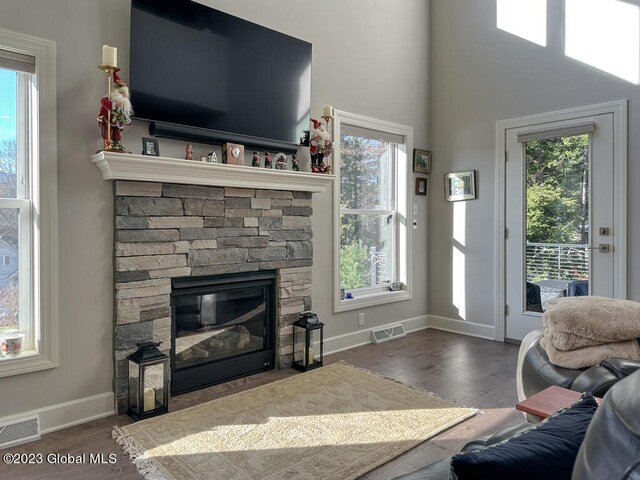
pixel 295 163
pixel 267 160
pixel 212 157
pixel 281 161
pixel 320 147
pixel 115 107
pixel 303 156
pixel 189 152
pixel 256 160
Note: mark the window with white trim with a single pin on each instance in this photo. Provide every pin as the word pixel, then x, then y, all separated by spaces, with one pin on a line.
pixel 372 240
pixel 27 202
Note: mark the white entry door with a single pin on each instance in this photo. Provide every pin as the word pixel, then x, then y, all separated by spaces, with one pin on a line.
pixel 562 235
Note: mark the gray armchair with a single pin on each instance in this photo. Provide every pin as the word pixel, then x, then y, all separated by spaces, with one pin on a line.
pixel 535 372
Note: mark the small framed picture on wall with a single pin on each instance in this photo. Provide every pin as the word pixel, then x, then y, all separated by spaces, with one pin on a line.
pixel 421 185
pixel 460 186
pixel 150 147
pixel 421 161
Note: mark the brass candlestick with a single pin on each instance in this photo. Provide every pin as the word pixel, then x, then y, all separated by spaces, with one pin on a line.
pixel 109 70
pixel 326 119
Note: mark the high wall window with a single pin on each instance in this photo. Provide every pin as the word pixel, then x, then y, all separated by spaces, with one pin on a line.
pixel 372 238
pixel 27 201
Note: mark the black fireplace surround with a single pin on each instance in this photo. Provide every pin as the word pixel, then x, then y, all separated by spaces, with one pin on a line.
pixel 222 327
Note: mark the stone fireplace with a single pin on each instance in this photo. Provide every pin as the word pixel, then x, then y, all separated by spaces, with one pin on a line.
pixel 165 231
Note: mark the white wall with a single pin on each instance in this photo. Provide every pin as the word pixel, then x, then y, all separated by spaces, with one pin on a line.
pixel 479 75
pixel 369 57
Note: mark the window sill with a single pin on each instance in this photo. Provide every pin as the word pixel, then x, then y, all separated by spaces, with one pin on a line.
pixel 28 361
pixel 371 300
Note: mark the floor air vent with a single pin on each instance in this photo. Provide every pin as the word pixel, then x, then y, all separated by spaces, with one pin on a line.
pixel 390 333
pixel 19 431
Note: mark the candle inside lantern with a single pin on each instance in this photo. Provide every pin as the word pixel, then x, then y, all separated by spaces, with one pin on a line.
pixel 149 399
pixel 109 56
pixel 309 356
pixel 328 111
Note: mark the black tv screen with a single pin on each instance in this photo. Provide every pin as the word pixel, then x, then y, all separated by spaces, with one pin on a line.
pixel 196 66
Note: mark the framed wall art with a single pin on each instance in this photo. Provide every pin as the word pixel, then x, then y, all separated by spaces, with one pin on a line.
pixel 421 186
pixel 460 186
pixel 421 161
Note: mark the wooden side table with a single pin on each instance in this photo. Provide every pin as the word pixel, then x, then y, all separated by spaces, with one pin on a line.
pixel 549 401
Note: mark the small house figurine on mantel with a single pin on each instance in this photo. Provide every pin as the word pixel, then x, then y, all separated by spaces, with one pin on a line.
pixel 211 157
pixel 308 340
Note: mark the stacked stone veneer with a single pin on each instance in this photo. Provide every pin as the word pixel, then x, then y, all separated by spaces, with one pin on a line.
pixel 164 231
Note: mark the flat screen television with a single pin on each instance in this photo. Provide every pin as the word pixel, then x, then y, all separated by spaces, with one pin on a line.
pixel 204 71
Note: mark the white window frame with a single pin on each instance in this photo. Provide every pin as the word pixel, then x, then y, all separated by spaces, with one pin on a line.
pixel 380 295
pixel 39 266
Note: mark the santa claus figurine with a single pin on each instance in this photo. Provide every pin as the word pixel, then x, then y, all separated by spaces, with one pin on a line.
pixel 115 114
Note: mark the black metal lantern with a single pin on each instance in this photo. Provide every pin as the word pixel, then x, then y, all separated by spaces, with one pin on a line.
pixel 307 329
pixel 148 382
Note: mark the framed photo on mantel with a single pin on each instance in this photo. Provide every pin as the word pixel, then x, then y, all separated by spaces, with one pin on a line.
pixel 150 147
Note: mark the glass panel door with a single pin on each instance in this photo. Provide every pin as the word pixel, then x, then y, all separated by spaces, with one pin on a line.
pixel 557 219
pixel 559 216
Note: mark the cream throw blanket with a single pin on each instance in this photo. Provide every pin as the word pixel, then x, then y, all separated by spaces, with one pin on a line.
pixel 582 331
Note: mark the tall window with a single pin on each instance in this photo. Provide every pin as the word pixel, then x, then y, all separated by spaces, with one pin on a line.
pixel 16 209
pixel 372 211
pixel 27 201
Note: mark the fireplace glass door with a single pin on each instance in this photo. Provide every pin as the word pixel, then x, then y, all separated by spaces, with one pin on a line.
pixel 222 324
pixel 213 326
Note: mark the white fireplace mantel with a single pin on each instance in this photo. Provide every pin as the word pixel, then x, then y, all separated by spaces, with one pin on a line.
pixel 143 168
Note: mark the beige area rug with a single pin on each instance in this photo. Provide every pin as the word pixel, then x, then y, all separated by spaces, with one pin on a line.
pixel 336 422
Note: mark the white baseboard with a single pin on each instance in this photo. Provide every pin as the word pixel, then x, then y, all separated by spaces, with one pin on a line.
pixel 340 343
pixel 68 414
pixel 462 327
pixel 351 340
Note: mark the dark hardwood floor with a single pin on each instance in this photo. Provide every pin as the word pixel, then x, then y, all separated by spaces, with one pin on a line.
pixel 473 372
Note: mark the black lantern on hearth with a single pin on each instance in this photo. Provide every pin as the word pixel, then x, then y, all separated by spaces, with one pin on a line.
pixel 148 382
pixel 308 341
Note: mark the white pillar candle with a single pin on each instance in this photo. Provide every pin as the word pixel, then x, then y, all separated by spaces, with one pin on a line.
pixel 309 356
pixel 109 56
pixel 328 111
pixel 149 399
